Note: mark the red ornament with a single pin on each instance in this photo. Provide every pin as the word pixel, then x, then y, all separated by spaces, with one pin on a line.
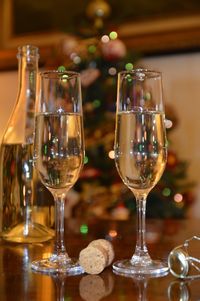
pixel 113 50
pixel 121 205
pixel 90 172
pixel 172 160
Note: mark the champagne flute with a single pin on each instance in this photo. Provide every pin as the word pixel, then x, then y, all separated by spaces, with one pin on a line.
pixel 140 154
pixel 59 154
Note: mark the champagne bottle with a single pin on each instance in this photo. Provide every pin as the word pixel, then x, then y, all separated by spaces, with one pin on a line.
pixel 19 184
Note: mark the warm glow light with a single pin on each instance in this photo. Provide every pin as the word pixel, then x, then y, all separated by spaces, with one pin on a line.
pixel 77 59
pixel 46 255
pixel 73 55
pixel 105 39
pixel 112 71
pixel 168 123
pixel 111 154
pixel 112 233
pixel 178 197
pixel 64 78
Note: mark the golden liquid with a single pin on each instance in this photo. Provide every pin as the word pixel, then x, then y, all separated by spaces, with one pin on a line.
pixel 59 149
pixel 140 149
pixel 21 190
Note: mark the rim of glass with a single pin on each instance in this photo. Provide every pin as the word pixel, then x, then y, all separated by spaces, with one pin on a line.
pixel 55 74
pixel 28 50
pixel 150 73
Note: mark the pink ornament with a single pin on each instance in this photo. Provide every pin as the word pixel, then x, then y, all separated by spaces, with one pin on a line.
pixel 113 50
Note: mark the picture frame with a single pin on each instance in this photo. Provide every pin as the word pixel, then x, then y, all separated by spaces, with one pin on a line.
pixel 9 41
pixel 152 36
pixel 163 35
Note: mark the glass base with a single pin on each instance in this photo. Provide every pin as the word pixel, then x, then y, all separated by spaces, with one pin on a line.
pixel 28 233
pixel 126 266
pixel 57 264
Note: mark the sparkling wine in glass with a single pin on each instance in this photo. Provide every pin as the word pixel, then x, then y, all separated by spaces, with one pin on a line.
pixel 59 154
pixel 140 154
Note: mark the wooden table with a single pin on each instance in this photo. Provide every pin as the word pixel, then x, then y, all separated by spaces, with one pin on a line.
pixel 18 282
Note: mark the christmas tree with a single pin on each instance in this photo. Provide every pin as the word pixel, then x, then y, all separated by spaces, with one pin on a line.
pixel 102 193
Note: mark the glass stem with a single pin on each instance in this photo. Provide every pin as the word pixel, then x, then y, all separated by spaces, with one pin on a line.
pixel 59 248
pixel 141 252
pixel 60 286
pixel 142 287
pixel 28 203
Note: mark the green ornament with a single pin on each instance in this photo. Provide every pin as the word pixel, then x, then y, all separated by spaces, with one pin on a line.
pixel 129 66
pixel 96 103
pixel 61 68
pixel 92 49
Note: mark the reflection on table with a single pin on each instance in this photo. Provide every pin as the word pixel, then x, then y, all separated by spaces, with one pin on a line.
pixel 19 282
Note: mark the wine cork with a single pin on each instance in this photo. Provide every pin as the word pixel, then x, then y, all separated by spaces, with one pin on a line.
pixel 96 256
pixel 107 246
pixel 93 259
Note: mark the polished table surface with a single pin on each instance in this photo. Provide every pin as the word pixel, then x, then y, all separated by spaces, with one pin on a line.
pixel 19 282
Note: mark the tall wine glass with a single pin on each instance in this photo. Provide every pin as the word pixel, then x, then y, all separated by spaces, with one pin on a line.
pixel 140 153
pixel 59 153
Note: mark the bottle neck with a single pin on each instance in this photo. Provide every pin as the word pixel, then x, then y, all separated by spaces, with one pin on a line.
pixel 21 124
pixel 27 75
pixel 28 68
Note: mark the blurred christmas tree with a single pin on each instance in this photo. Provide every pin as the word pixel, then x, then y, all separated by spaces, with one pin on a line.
pixel 102 192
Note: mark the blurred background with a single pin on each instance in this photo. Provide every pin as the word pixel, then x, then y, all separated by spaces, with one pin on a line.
pixel 99 38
